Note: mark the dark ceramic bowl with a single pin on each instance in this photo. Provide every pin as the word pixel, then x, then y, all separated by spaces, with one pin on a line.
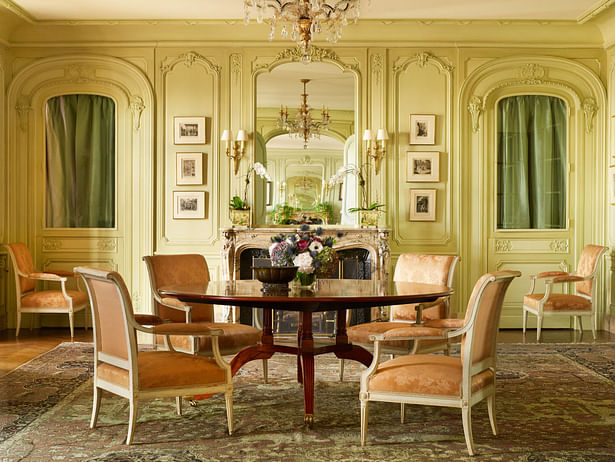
pixel 275 274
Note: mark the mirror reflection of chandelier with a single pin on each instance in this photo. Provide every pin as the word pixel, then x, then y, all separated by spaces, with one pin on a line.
pixel 303 126
pixel 306 17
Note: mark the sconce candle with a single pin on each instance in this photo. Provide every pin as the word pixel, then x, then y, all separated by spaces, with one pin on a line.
pixel 238 146
pixel 378 150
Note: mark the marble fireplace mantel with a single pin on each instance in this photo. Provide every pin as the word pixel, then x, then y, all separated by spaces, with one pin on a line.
pixel 374 240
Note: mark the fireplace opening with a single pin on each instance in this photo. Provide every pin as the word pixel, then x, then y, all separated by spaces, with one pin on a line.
pixel 355 263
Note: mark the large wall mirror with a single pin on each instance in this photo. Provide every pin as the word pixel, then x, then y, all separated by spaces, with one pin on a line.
pixel 299 166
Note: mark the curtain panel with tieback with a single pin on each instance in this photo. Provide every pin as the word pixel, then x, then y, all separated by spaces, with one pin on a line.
pixel 531 162
pixel 80 167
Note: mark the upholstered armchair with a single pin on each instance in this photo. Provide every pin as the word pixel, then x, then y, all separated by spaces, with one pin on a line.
pixel 439 380
pixel 192 269
pixel 428 269
pixel 30 300
pixel 574 305
pixel 123 370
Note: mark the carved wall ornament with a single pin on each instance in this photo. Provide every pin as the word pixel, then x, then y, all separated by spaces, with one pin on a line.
pixel 317 54
pixel 503 245
pixel 188 60
pixel 23 108
pixel 422 59
pixel 559 245
pixel 377 68
pixel 52 244
pixel 533 74
pixel 476 106
pixel 236 65
pixel 80 73
pixel 589 108
pixel 137 106
pixel 107 245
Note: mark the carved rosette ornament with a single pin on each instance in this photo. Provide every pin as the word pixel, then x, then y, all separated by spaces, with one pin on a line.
pixel 503 246
pixel 559 246
pixel 236 64
pixel 377 68
pixel 532 74
pixel 52 244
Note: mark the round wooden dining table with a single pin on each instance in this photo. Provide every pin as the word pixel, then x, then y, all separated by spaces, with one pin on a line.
pixel 336 295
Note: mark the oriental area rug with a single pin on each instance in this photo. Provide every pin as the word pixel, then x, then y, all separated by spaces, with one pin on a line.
pixel 555 402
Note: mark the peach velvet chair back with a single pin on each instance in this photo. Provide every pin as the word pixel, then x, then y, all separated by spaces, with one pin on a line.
pixel 428 269
pixel 484 309
pixel 587 265
pixel 183 269
pixel 111 306
pixel 22 261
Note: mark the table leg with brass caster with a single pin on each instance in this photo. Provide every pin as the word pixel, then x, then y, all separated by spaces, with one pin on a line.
pixel 308 420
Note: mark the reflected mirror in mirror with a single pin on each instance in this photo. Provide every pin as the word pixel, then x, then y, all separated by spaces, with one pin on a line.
pixel 300 170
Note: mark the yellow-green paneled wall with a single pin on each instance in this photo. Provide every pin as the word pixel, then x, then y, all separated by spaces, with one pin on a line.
pixel 458 77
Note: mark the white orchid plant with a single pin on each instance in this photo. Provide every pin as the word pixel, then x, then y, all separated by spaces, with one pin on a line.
pixel 237 203
pixel 352 169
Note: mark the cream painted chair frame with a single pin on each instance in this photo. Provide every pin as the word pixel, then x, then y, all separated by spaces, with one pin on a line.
pixel 133 393
pixel 47 276
pixel 466 398
pixel 561 277
pixel 414 344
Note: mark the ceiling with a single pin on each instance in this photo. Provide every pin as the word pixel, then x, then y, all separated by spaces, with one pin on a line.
pixel 379 9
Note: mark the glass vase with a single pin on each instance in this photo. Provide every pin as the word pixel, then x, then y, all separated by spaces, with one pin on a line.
pixel 305 281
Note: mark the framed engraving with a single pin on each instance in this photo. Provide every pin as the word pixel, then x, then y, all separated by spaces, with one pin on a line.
pixel 188 205
pixel 189 169
pixel 422 129
pixel 189 130
pixel 422 205
pixel 422 166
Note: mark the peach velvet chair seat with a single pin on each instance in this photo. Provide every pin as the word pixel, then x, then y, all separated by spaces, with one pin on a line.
pixel 189 269
pixel 429 269
pixel 30 300
pixel 119 366
pixel 439 380
pixel 561 304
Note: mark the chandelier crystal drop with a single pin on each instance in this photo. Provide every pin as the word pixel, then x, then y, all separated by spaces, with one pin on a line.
pixel 305 17
pixel 303 126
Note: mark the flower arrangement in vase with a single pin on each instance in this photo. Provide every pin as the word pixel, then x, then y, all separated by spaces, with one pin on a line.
pixel 309 250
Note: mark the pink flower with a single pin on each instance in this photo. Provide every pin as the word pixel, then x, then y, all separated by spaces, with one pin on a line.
pixel 302 246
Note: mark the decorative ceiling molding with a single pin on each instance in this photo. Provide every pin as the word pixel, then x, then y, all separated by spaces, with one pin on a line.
pixel 17 10
pixel 595 10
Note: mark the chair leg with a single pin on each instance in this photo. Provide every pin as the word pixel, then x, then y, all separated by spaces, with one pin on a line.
pixel 592 320
pixel 363 422
pixel 524 320
pixel 403 412
pixel 538 327
pixel 265 370
pixel 71 322
pixel 178 405
pixel 95 406
pixel 579 323
pixel 229 411
pixel 466 415
pixel 341 369
pixel 491 409
pixel 132 420
pixel 18 324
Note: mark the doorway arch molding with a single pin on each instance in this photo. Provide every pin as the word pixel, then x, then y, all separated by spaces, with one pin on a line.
pixel 585 96
pixel 132 93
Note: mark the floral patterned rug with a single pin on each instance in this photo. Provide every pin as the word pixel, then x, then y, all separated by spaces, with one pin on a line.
pixel 555 402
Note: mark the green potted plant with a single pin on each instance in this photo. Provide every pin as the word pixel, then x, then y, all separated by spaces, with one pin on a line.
pixel 239 208
pixel 368 213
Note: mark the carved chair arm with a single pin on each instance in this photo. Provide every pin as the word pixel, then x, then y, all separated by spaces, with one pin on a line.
pixel 446 322
pixel 410 333
pixel 46 277
pixel 149 319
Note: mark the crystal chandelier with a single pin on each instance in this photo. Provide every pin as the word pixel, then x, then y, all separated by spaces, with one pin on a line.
pixel 305 18
pixel 303 126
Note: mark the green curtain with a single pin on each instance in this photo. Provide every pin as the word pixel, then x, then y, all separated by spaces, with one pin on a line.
pixel 80 162
pixel 531 169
